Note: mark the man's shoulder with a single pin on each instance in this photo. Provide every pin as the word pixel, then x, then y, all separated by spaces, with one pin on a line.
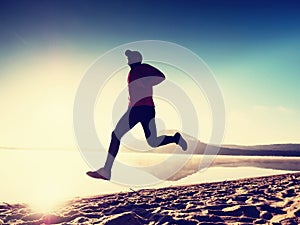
pixel 147 67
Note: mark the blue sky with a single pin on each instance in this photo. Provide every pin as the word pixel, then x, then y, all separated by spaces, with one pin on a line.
pixel 251 46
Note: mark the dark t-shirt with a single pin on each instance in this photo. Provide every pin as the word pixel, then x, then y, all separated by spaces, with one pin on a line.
pixel 141 79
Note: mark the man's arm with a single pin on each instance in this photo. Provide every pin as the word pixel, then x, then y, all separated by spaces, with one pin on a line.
pixel 158 79
pixel 156 75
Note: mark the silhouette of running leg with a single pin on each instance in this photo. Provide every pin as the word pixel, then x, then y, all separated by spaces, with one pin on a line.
pixel 149 126
pixel 123 126
pixel 134 115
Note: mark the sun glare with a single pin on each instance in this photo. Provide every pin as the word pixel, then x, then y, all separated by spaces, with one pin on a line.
pixel 47 197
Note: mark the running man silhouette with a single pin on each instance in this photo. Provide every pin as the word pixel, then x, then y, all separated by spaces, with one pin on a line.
pixel 141 109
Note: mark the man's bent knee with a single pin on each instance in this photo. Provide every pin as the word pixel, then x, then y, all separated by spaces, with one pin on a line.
pixel 153 142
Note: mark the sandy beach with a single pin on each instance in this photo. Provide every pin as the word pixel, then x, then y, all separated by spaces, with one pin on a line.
pixel 263 200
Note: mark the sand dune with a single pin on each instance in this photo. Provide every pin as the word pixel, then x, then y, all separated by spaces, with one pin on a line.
pixel 263 200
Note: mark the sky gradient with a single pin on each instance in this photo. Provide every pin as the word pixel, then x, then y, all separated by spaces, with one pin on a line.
pixel 251 46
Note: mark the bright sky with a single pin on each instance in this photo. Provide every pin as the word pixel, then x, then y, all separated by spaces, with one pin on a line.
pixel 252 48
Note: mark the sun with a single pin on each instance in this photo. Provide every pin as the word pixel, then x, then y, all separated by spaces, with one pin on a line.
pixel 47 197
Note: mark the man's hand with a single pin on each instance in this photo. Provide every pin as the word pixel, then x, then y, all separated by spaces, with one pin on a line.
pixel 156 80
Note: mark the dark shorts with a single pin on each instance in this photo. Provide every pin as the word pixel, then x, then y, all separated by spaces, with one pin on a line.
pixel 134 115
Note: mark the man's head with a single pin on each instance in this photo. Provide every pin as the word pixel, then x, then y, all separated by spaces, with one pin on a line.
pixel 133 57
